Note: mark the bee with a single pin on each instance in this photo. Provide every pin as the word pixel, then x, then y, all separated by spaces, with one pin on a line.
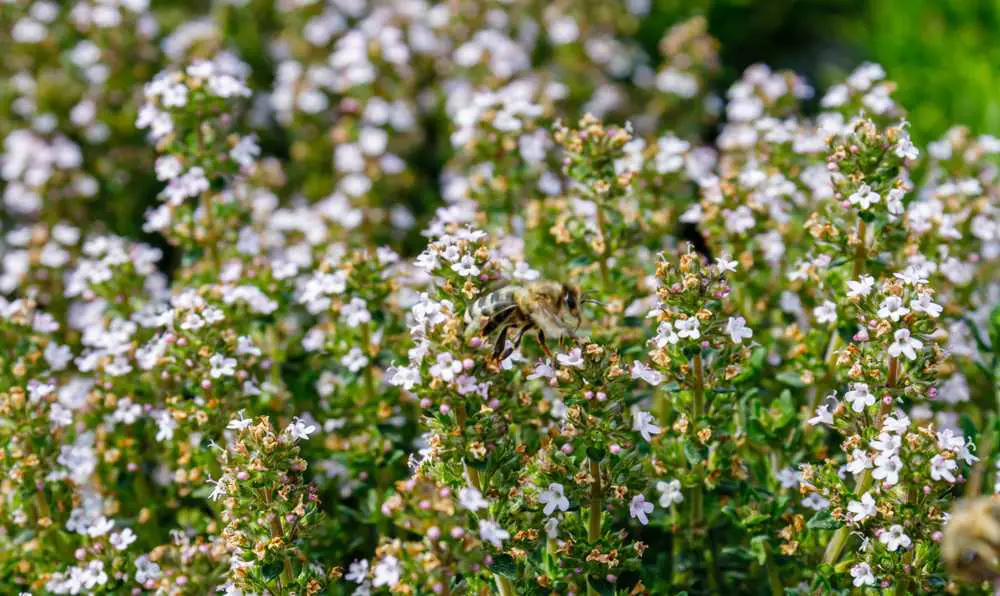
pixel 970 545
pixel 541 306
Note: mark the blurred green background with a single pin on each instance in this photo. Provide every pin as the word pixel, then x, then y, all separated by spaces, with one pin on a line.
pixel 944 54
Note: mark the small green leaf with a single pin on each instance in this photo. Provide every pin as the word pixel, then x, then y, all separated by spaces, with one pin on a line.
pixel 790 378
pixel 504 565
pixel 822 521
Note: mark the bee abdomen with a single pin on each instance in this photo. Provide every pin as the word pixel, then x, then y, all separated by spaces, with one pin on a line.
pixel 489 305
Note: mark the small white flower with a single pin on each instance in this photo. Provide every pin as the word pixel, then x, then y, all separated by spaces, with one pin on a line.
pixel 574 358
pixel 823 416
pixel 472 499
pixel 221 366
pixel 122 540
pixel 924 303
pixel 466 267
pixel 553 499
pixel 860 288
pixel 724 264
pixel 491 532
pixel 688 328
pixel 300 430
pixel 665 335
pixel 894 538
pixel 905 344
pixel 864 197
pixel 858 462
pixel 642 371
pixel 639 509
pixel 643 423
pixel 670 492
pixel 357 572
pixel 863 509
pixel 943 468
pixel 862 574
pixel 887 469
pixel 737 329
pixel 859 397
pixel 240 423
pixel 826 312
pixel 387 572
pixel 892 308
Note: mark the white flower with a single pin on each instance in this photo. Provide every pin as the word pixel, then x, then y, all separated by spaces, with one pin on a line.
pixel 823 416
pixel 357 572
pixel 905 344
pixel 466 267
pixel 862 574
pixel 894 538
pixel 859 397
pixel 639 509
pixel 472 499
pixel 688 328
pixel 553 499
pixel 406 377
pixel 665 335
pixel 737 329
pixel 943 468
pixel 863 509
pixel 670 492
pixel 491 532
pixel 642 371
pixel 898 422
pixel 887 468
pixel 387 572
pixel 912 275
pixel 892 308
pixel 299 429
pixel 574 358
pixel 724 264
pixel 446 367
pixel 826 312
pixel 221 366
pixel 858 462
pixel 240 423
pixel 860 288
pixel 864 197
pixel 643 423
pixel 905 149
pixel 121 540
pixel 924 303
pixel 816 502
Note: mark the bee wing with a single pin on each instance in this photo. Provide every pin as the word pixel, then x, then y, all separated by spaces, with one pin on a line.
pixel 551 323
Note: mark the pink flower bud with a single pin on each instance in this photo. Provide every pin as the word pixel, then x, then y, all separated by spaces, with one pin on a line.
pixel 206 384
pixel 611 578
pixel 615 449
pixel 467 364
pixel 242 475
pixel 434 533
pixel 927 490
pixel 424 504
pixel 494 403
pixel 182 342
pixel 79 554
pixel 887 400
pixel 457 532
pixel 182 580
pixel 444 409
pixel 936 536
pixel 425 403
pixel 567 448
pixel 475 342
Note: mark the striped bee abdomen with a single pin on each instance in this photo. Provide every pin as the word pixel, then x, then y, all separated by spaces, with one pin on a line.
pixel 491 304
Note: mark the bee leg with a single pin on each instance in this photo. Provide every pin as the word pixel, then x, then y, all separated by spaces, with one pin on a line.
pixel 516 344
pixel 501 343
pixel 541 343
pixel 497 320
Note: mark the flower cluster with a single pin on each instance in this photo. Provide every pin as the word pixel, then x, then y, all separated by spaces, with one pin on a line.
pixel 470 296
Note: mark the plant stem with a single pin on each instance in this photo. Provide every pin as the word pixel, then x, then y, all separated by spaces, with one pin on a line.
pixel 697 410
pixel 370 389
pixel 596 496
pixel 601 225
pixel 860 255
pixel 839 539
pixel 773 579
pixel 506 588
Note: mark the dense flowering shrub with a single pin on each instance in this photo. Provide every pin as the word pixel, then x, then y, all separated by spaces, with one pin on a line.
pixel 772 367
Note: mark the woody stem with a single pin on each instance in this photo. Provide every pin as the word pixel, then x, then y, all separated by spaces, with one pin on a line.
pixel 697 411
pixel 601 227
pixel 860 254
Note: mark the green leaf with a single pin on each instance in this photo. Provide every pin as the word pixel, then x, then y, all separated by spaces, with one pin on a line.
pixel 692 453
pixel 790 378
pixel 822 521
pixel 504 565
pixel 271 570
